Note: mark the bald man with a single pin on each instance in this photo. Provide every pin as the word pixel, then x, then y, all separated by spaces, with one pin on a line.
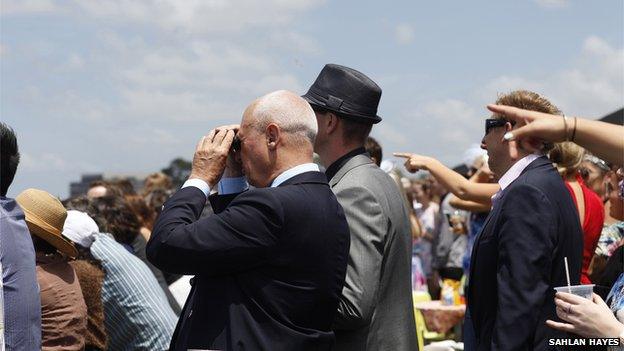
pixel 270 264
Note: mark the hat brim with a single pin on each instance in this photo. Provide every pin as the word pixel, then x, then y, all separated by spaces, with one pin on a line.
pixel 356 117
pixel 51 235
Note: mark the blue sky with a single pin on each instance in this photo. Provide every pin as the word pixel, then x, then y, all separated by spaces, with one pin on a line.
pixel 123 87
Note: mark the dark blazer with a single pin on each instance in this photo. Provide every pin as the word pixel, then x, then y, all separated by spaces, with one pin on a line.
pixel 518 258
pixel 269 265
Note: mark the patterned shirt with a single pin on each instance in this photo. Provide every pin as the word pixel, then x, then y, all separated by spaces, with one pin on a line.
pixel 137 314
pixel 22 304
pixel 610 239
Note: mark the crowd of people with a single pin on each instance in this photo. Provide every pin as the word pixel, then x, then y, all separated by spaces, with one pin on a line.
pixel 266 247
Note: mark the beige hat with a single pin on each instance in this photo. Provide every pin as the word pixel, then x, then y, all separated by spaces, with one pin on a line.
pixel 45 216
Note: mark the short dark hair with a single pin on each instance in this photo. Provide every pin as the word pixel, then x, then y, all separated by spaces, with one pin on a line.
pixel 145 213
pixel 374 149
pixel 156 198
pixel 124 185
pixel 352 130
pixel 114 216
pixel 79 203
pixel 112 187
pixel 9 157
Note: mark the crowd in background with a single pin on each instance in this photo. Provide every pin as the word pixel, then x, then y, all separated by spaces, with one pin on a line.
pixel 448 224
pixel 98 291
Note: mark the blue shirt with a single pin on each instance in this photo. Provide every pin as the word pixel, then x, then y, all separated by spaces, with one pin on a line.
pixel 22 304
pixel 137 314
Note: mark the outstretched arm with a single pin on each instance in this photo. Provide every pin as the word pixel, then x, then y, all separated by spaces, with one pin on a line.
pixel 453 181
pixel 604 140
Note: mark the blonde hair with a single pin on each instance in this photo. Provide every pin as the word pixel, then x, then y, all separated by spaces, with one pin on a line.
pixel 567 157
pixel 156 180
pixel 528 100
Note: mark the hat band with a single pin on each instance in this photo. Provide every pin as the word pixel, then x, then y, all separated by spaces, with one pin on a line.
pixel 342 106
pixel 43 224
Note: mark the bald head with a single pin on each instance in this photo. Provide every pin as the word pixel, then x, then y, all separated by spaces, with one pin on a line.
pixel 289 111
pixel 276 134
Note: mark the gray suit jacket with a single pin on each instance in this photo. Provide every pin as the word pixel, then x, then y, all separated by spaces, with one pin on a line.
pixel 375 311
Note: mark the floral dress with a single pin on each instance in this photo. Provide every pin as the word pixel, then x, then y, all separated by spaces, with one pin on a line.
pixel 611 238
pixel 616 303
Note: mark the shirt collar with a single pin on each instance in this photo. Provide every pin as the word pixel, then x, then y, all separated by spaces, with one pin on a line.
pixel 514 172
pixel 291 172
pixel 336 165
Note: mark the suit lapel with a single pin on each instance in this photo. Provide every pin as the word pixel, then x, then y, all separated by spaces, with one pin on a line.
pixel 354 162
pixel 541 161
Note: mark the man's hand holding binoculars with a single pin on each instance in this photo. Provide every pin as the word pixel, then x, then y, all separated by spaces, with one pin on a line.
pixel 214 156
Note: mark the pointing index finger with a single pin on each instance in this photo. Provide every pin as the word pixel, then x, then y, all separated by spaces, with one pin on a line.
pixel 402 154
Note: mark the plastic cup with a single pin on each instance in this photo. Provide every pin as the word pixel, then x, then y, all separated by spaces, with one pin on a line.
pixel 579 290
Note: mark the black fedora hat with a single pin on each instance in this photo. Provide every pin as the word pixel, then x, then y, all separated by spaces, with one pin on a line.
pixel 346 91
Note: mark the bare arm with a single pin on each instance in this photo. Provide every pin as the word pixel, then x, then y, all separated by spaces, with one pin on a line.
pixel 471 206
pixel 604 140
pixel 453 181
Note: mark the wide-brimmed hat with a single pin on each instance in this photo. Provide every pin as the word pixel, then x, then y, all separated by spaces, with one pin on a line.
pixel 346 91
pixel 45 216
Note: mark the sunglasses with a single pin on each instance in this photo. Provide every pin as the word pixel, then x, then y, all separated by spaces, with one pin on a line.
pixel 598 162
pixel 495 122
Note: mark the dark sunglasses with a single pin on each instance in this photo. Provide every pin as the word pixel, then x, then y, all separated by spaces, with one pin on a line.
pixel 495 122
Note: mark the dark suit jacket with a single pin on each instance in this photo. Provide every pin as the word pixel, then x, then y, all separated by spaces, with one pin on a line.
pixel 269 265
pixel 518 258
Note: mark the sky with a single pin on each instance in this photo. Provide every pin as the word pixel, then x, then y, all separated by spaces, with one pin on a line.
pixel 124 87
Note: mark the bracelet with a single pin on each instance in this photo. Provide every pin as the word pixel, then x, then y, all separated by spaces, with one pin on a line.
pixel 565 127
pixel 573 130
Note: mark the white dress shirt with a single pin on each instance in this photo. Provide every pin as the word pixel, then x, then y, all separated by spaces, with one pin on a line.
pixel 513 173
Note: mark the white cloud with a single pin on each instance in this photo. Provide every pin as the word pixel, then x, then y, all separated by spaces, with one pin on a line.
pixel 42 162
pixel 198 81
pixel 153 136
pixel 404 33
pixel 296 41
pixel 186 74
pixel 456 120
pixel 387 132
pixel 75 61
pixel 10 7
pixel 591 85
pixel 189 16
pixel 552 3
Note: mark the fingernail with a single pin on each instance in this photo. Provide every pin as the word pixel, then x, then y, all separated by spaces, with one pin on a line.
pixel 508 136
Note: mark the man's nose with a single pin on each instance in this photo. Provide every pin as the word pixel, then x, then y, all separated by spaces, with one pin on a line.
pixel 483 144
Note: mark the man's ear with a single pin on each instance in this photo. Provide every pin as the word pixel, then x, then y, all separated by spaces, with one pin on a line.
pixel 272 135
pixel 332 122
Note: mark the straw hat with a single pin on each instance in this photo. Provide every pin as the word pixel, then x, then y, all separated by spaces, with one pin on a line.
pixel 45 216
